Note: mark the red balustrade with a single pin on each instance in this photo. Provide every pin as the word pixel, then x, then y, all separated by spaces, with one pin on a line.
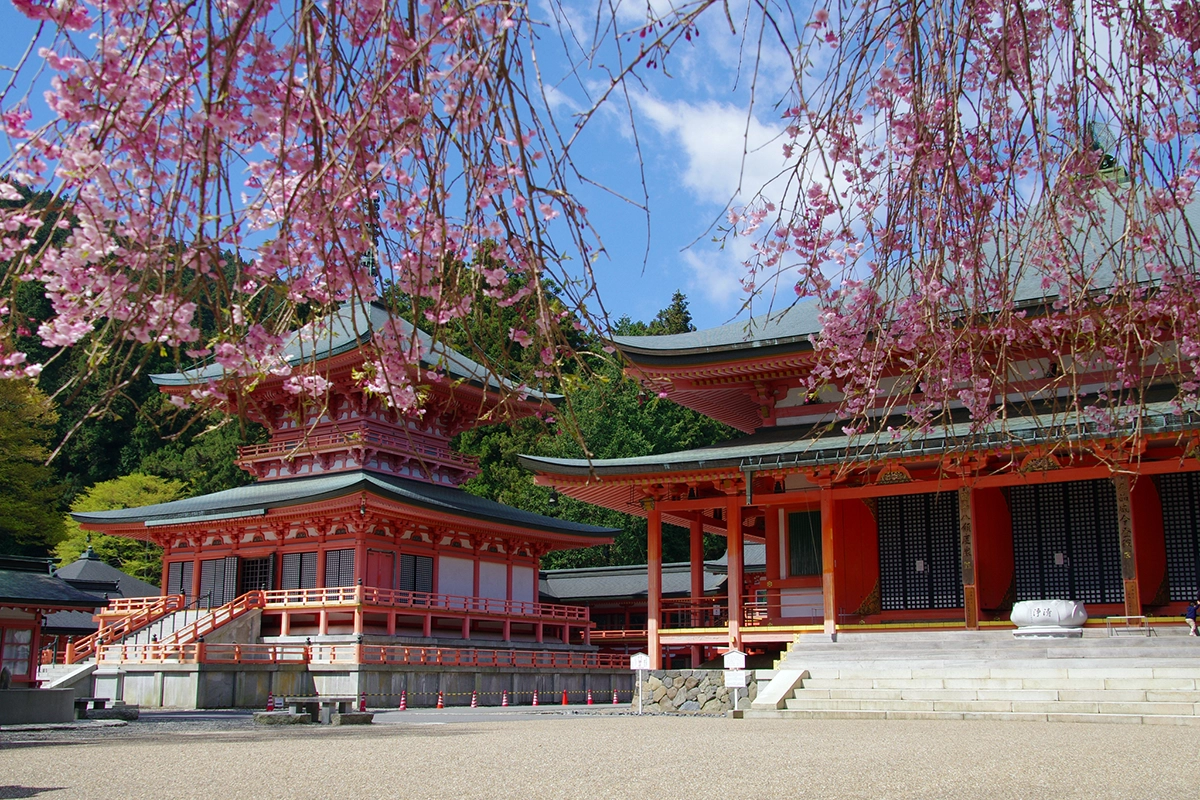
pixel 215 618
pixel 409 443
pixel 205 653
pixel 422 601
pixel 139 612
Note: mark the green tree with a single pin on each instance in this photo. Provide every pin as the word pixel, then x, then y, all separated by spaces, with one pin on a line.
pixel 616 418
pixel 142 560
pixel 29 495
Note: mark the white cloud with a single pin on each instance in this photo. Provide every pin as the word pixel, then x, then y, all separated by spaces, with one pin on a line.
pixel 729 153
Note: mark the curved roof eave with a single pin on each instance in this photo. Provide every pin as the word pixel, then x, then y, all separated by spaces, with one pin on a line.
pixel 258 498
pixel 347 329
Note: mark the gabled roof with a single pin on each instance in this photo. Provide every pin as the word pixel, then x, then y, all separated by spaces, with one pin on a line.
pixel 632 581
pixel 615 583
pixel 258 498
pixel 347 329
pixel 28 582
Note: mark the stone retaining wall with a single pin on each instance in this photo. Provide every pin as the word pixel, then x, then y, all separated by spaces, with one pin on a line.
pixel 693 691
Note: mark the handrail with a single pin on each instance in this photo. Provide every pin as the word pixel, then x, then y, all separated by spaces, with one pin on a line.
pixel 412 442
pixel 397 598
pixel 142 614
pixel 215 618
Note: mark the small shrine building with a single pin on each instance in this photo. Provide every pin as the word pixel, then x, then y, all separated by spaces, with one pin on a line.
pixel 356 525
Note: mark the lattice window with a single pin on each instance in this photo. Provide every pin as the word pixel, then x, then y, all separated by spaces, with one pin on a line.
pixel 919 557
pixel 1065 542
pixel 1180 496
pixel 339 567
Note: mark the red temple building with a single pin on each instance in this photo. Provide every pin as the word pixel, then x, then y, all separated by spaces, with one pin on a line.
pixel 868 531
pixel 355 544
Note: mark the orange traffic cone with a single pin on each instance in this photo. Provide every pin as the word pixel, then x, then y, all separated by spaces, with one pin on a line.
pixel 564 702
pixel 535 697
pixel 440 703
pixel 589 697
pixel 270 701
pixel 474 699
pixel 404 700
pixel 504 699
pixel 362 702
pixel 614 697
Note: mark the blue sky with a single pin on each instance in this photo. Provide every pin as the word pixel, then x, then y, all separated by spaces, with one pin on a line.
pixel 699 140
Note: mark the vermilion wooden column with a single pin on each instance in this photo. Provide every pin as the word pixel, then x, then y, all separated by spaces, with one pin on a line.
pixel 774 554
pixel 654 589
pixel 733 537
pixel 696 532
pixel 828 562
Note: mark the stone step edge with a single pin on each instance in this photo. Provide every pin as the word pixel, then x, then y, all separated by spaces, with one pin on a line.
pixel 996 716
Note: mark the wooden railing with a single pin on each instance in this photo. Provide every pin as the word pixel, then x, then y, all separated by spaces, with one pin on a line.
pixel 205 653
pixel 141 611
pixel 214 619
pixel 418 444
pixel 422 601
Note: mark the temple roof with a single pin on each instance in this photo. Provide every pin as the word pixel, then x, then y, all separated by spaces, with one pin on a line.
pixel 347 329
pixel 89 568
pixel 28 582
pixel 258 498
pixel 1101 244
pixel 632 581
pixel 787 446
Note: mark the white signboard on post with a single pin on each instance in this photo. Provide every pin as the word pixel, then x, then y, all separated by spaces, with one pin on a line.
pixel 639 662
pixel 735 673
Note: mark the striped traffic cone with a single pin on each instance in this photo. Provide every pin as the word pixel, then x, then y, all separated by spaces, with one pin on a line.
pixel 404 700
pixel 362 702
pixel 535 697
pixel 270 701
pixel 504 699
pixel 614 697
pixel 474 699
pixel 564 702
pixel 441 703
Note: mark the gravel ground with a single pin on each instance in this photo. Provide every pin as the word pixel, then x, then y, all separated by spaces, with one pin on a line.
pixel 601 756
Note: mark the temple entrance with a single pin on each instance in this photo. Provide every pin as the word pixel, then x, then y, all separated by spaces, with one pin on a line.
pixel 919 561
pixel 1180 496
pixel 257 573
pixel 1065 542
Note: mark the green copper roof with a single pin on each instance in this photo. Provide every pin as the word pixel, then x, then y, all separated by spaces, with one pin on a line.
pixel 258 498
pixel 786 446
pixel 348 328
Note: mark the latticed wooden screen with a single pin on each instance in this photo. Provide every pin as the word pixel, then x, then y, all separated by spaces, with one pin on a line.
pixel 1066 544
pixel 919 557
pixel 1180 496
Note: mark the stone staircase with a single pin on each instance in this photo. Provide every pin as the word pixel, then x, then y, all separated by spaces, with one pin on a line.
pixel 986 675
pixel 162 628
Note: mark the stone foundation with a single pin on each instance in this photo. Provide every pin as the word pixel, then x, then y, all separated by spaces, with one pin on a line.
pixel 693 691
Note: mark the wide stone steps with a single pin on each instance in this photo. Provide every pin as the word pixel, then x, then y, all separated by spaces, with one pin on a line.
pixel 989 675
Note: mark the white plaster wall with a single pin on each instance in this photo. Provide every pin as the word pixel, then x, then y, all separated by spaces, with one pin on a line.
pixel 493 580
pixel 801 603
pixel 456 576
pixel 523 584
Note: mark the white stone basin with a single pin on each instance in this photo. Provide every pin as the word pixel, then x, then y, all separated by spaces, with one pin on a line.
pixel 1049 617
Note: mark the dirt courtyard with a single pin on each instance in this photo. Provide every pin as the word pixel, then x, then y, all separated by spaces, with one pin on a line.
pixel 545 756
